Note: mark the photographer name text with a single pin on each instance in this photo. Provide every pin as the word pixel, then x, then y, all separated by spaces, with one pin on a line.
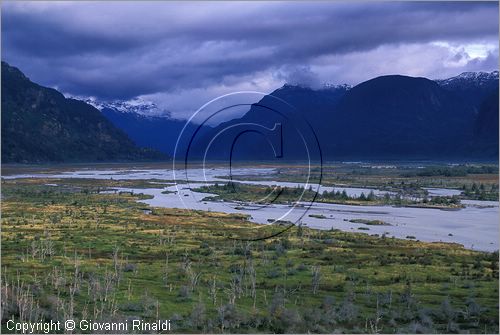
pixel 87 325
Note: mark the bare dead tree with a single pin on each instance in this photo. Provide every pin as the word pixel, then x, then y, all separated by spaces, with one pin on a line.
pixel 165 272
pixel 193 278
pixel 252 274
pixel 316 277
pixel 117 265
pixel 212 291
pixel 375 323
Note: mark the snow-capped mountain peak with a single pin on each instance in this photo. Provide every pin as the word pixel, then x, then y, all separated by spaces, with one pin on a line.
pixel 136 105
pixel 328 86
pixel 475 78
pixel 324 86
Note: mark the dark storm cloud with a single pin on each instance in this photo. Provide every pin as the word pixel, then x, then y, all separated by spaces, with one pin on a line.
pixel 121 50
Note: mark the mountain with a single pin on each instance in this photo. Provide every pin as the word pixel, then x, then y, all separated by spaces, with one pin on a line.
pixel 148 125
pixel 143 121
pixel 157 132
pixel 486 125
pixel 388 117
pixel 314 105
pixel 468 80
pixel 134 106
pixel 471 87
pixel 301 112
pixel 40 125
pixel 397 116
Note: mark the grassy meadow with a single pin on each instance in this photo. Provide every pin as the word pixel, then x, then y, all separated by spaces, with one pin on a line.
pixel 72 251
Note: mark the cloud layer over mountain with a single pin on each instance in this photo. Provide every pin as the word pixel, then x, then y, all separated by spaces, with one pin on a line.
pixel 181 55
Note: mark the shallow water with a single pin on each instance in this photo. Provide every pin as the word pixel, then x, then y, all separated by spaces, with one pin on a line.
pixel 475 226
pixel 442 192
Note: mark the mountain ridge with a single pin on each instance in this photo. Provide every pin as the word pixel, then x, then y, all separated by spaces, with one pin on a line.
pixel 398 116
pixel 387 117
pixel 40 125
pixel 463 94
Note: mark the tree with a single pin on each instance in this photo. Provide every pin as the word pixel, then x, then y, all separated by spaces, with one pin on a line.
pixel 344 195
pixel 316 277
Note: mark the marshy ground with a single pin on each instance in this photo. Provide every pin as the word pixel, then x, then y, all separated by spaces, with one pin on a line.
pixel 70 251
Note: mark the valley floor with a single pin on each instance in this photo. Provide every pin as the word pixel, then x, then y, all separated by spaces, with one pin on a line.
pixel 73 252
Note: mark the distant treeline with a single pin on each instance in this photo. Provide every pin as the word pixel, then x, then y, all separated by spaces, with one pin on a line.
pixel 481 192
pixel 452 171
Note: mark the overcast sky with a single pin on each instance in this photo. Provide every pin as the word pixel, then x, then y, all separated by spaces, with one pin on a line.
pixel 181 55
